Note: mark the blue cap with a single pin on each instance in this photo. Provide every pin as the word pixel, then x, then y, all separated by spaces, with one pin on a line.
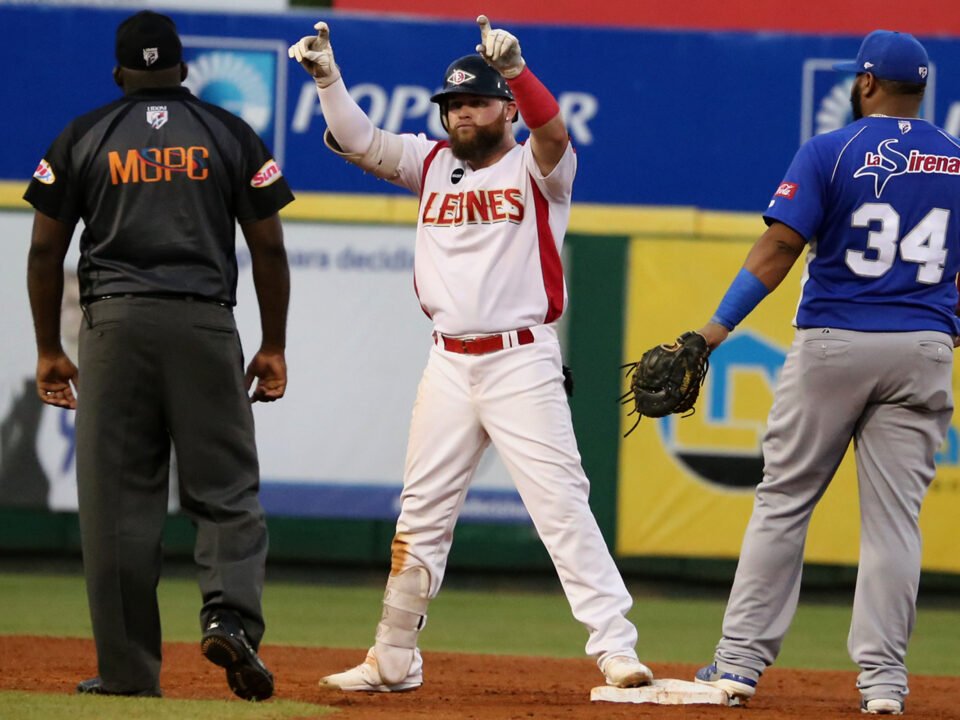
pixel 890 56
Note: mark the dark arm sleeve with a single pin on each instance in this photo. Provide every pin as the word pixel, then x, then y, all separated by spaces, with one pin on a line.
pixel 262 190
pixel 54 190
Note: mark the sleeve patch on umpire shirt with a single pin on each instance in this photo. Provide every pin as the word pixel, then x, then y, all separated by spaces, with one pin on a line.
pixel 786 190
pixel 44 173
pixel 267 175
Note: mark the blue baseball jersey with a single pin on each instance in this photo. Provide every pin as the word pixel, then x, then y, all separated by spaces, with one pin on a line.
pixel 879 204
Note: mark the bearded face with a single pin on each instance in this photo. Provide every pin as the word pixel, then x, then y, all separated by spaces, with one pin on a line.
pixel 855 102
pixel 473 142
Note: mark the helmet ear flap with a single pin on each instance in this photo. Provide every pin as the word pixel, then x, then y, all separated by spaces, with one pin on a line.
pixel 442 106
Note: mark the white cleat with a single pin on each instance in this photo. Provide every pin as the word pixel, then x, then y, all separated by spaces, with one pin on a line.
pixel 623 671
pixel 365 677
pixel 882 706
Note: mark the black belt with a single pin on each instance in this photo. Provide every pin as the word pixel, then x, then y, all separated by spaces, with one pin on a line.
pixel 158 296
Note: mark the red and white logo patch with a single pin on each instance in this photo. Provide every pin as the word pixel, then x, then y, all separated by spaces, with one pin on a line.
pixel 786 190
pixel 267 175
pixel 459 77
pixel 44 173
pixel 157 116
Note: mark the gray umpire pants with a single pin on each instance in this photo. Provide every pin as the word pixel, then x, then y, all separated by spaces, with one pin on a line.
pixel 892 394
pixel 155 371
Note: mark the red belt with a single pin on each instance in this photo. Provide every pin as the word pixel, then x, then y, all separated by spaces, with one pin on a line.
pixel 483 344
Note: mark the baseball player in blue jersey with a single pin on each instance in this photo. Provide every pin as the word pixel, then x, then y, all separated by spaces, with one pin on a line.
pixel 878 205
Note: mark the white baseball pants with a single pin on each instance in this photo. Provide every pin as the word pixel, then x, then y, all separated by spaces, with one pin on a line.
pixel 513 398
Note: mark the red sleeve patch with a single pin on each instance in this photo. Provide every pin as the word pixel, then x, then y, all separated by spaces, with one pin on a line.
pixel 786 190
pixel 266 175
pixel 44 173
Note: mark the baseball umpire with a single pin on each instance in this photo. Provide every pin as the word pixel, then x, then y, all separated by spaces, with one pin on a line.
pixel 159 179
pixel 493 213
pixel 878 204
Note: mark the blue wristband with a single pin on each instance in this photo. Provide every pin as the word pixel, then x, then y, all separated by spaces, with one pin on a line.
pixel 744 294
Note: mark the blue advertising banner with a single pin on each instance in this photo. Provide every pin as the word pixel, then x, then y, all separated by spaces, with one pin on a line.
pixel 709 120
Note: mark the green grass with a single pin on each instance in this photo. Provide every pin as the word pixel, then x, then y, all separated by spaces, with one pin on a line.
pixel 675 628
pixel 672 629
pixel 37 706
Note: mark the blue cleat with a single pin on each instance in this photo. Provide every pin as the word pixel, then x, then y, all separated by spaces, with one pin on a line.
pixel 737 687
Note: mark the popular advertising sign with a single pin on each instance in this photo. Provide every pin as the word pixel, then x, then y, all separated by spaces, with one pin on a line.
pixel 699 119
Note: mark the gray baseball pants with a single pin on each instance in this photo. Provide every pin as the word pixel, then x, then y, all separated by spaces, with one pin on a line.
pixel 892 394
pixel 155 371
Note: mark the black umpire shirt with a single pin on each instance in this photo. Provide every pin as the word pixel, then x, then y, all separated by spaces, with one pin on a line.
pixel 159 178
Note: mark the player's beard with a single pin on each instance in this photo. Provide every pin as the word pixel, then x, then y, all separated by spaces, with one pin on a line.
pixel 855 103
pixel 485 139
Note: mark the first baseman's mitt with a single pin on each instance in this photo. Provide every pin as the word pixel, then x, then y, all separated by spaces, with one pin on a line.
pixel 668 378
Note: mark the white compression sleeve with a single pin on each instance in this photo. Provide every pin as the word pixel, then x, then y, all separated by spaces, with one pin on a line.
pixel 347 122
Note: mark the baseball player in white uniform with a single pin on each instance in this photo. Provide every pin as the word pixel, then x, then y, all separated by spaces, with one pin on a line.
pixel 492 218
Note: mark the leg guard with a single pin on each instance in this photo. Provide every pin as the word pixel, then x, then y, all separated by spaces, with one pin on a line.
pixel 404 616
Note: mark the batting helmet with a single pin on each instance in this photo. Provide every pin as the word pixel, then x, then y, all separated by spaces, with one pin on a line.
pixel 470 75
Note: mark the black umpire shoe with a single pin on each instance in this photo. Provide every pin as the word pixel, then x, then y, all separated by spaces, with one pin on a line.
pixel 225 644
pixel 94 686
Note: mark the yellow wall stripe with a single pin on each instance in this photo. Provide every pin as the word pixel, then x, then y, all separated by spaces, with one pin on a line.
pixel 11 196
pixel 586 218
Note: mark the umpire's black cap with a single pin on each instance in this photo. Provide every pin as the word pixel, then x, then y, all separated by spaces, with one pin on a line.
pixel 148 41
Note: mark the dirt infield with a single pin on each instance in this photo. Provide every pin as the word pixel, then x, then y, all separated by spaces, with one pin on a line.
pixel 464 687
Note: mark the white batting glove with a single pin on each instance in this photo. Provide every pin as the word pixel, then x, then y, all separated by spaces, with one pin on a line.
pixel 315 54
pixel 500 49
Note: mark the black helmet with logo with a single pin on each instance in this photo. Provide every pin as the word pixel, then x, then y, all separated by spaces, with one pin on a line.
pixel 472 76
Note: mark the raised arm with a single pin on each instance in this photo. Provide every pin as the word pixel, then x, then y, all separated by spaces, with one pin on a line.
pixel 350 133
pixel 538 107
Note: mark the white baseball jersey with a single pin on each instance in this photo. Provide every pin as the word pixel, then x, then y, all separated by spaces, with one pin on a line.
pixel 488 240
